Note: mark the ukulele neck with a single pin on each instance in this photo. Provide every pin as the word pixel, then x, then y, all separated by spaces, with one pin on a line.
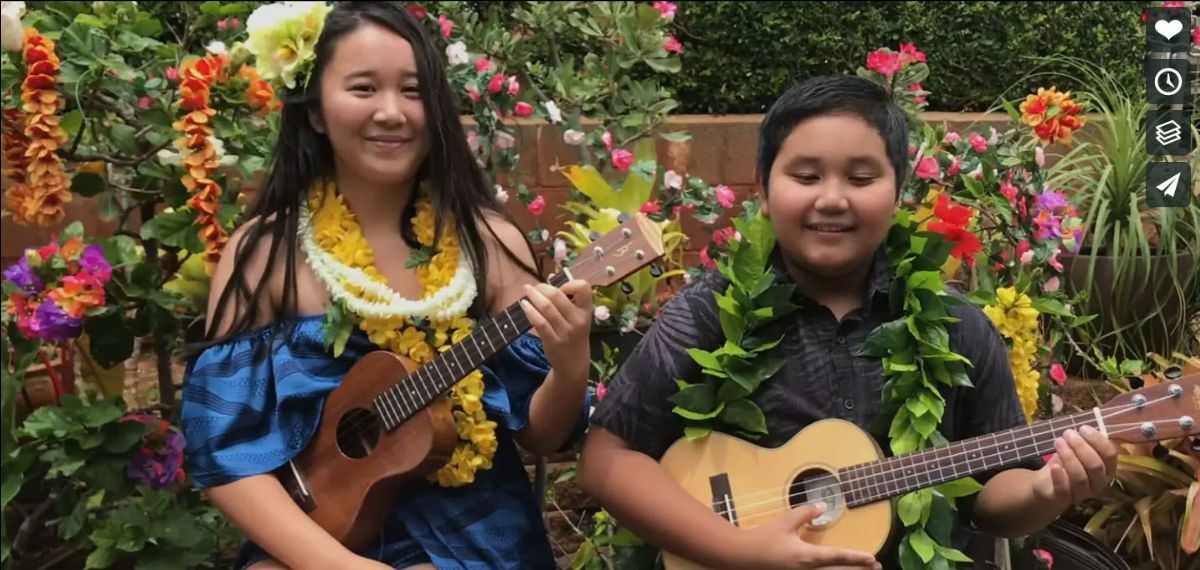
pixel 870 482
pixel 403 399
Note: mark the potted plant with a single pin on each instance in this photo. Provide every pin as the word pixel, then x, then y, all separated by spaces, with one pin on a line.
pixel 1137 263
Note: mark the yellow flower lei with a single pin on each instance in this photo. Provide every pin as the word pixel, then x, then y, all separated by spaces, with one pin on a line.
pixel 1017 320
pixel 337 232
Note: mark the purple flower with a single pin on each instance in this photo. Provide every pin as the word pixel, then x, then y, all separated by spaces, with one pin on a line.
pixel 159 468
pixel 93 262
pixel 52 324
pixel 23 277
pixel 1051 201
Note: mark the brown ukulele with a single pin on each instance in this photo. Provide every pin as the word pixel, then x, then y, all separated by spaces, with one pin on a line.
pixel 378 431
pixel 836 462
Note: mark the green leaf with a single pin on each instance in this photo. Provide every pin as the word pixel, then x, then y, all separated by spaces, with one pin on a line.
pixel 676 136
pixel 959 488
pixel 1051 306
pixel 121 251
pixel 909 507
pixel 420 257
pixel 175 229
pixel 745 415
pixel 89 20
pixel 71 122
pixel 953 555
pixel 102 557
pixel 704 358
pixel 692 433
pixel 889 338
pixel 339 324
pixel 124 137
pixel 922 545
pixel 75 521
pixel 925 280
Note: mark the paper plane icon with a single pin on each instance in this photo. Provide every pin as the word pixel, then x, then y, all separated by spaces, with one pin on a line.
pixel 1169 185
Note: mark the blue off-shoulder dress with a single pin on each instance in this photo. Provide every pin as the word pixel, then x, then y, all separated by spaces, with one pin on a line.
pixel 252 402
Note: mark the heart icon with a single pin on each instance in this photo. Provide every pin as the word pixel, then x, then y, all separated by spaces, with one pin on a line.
pixel 1168 28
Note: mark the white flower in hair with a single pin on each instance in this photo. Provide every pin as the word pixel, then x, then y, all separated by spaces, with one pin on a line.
pixel 11 33
pixel 282 37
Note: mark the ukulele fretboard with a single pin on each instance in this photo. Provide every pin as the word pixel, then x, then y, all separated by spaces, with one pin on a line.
pixel 403 399
pixel 870 482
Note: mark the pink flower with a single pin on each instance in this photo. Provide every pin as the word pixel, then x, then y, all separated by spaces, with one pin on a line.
pixel 523 109
pixel 483 64
pixel 667 9
pixel 883 62
pixel 608 141
pixel 916 88
pixel 928 169
pixel 650 208
pixel 1044 556
pixel 978 143
pixel 1009 192
pixel 725 196
pixel 514 86
pixel 144 103
pixel 952 137
pixel 505 140
pixel 560 249
pixel 1027 258
pixel 473 92
pixel 673 44
pixel 496 84
pixel 222 25
pixel 1039 155
pixel 537 206
pixel 705 260
pixel 724 235
pixel 909 54
pixel 1055 263
pixel 955 167
pixel 1058 374
pixel 601 390
pixel 1196 36
pixel 446 25
pixel 912 150
pixel 1172 4
pixel 601 313
pixel 173 73
pixel 622 159
pixel 1052 284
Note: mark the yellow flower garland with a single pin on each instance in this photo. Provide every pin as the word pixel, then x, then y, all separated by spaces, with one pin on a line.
pixel 1017 320
pixel 337 232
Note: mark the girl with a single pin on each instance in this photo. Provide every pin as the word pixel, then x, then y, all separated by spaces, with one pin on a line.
pixel 372 177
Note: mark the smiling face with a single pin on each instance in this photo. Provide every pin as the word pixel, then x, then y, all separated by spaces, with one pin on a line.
pixel 371 107
pixel 832 195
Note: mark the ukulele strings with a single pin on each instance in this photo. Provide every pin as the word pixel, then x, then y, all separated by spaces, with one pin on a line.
pixel 1131 427
pixel 362 425
pixel 1036 431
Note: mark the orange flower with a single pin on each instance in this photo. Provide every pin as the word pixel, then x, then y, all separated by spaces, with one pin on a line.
pixel 1053 115
pixel 200 160
pixel 40 195
pixel 78 294
pixel 14 144
pixel 260 95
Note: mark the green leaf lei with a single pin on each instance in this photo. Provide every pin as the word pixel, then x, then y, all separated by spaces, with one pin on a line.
pixel 914 348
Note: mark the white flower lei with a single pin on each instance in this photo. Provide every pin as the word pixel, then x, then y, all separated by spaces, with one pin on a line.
pixel 449 302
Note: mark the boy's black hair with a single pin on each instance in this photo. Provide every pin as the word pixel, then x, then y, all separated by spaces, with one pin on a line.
pixel 830 95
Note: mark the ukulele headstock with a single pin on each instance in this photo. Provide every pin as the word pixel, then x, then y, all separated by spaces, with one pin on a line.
pixel 634 244
pixel 1166 410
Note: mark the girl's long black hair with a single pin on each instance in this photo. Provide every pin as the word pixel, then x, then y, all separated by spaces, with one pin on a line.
pixel 459 190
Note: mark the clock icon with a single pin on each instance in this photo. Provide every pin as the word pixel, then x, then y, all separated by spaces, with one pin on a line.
pixel 1166 81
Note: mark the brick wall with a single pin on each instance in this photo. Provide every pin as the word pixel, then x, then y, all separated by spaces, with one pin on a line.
pixel 721 152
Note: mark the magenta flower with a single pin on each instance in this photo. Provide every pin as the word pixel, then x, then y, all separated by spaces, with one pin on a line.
pixel 158 466
pixel 52 324
pixel 725 196
pixel 537 206
pixel 93 262
pixel 928 169
pixel 978 143
pixel 883 62
pixel 21 275
pixel 622 159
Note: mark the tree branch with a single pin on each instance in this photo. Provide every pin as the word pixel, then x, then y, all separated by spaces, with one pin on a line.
pixel 114 160
pixel 33 522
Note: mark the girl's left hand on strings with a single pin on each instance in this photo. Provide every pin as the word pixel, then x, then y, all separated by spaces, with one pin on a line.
pixel 562 318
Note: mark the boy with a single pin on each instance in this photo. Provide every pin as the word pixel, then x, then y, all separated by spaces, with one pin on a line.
pixel 832 157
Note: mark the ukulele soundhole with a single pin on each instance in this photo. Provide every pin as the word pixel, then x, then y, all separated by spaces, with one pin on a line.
pixel 815 485
pixel 357 433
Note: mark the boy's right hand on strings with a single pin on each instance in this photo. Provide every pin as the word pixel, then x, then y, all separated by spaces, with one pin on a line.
pixel 777 545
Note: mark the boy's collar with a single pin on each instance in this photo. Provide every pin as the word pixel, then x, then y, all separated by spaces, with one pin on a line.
pixel 879 282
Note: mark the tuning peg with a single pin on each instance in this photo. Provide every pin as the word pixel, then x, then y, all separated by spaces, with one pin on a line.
pixel 627 287
pixel 1136 382
pixel 1160 451
pixel 622 217
pixel 1196 444
pixel 1173 373
pixel 655 270
pixel 594 236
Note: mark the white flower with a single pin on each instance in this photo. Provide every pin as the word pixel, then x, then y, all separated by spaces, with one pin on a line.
pixel 219 148
pixel 673 180
pixel 501 194
pixel 601 313
pixel 12 36
pixel 1039 156
pixel 504 140
pixel 545 235
pixel 168 158
pixel 553 112
pixel 560 249
pixel 456 53
pixel 573 137
pixel 217 47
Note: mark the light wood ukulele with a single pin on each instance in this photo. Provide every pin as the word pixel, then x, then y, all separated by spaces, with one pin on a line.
pixel 836 462
pixel 378 431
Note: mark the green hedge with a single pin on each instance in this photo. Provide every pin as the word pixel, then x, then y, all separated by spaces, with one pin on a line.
pixel 739 56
